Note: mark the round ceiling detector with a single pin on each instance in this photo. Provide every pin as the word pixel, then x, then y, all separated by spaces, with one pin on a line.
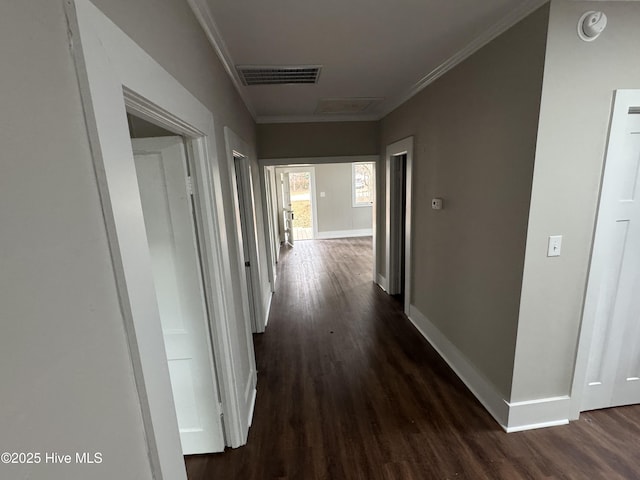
pixel 591 25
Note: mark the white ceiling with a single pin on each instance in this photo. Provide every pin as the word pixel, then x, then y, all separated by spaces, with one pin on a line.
pixel 367 48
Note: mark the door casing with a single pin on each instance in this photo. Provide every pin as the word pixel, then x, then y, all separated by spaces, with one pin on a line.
pixel 392 282
pixel 239 154
pixel 185 322
pixel 115 75
pixel 314 207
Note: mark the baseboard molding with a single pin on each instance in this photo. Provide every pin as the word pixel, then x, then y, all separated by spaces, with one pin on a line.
pixel 483 390
pixel 512 416
pixel 267 307
pixel 382 283
pixel 363 232
pixel 543 412
pixel 250 392
pixel 252 406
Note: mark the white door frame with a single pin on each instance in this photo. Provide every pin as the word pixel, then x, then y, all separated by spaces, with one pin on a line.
pixel 266 182
pixel 238 151
pixel 312 185
pixel 209 439
pixel 113 71
pixel 402 147
pixel 602 240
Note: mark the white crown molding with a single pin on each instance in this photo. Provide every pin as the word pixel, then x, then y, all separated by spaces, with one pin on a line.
pixel 205 18
pixel 508 21
pixel 335 117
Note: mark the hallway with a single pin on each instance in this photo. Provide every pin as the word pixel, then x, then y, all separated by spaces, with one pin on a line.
pixel 348 389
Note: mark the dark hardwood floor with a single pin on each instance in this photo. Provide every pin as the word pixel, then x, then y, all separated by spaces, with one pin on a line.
pixel 348 389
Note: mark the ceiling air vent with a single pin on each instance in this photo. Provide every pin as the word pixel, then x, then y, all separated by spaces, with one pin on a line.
pixel 278 75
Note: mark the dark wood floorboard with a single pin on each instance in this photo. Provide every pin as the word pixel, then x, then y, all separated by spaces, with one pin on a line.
pixel 348 389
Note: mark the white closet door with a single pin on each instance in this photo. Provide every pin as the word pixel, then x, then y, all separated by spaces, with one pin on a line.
pixel 613 295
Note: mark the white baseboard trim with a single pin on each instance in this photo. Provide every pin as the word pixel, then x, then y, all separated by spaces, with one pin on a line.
pixel 252 406
pixel 533 426
pixel 267 308
pixel 483 390
pixel 250 393
pixel 382 282
pixel 543 412
pixel 363 232
pixel 512 416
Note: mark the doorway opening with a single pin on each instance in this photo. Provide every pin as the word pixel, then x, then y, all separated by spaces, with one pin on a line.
pixel 320 199
pixel 397 218
pixel 299 190
pixel 295 197
pixel 247 238
pixel 163 174
pixel 398 176
pixel 116 76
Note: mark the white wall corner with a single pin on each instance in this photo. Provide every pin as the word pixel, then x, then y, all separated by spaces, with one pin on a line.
pixel 381 281
pixel 482 388
pixel 363 232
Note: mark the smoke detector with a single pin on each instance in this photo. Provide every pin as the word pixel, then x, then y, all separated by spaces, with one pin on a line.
pixel 591 25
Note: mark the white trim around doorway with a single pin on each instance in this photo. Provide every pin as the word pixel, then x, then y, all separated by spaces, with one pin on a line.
pixel 238 151
pixel 401 147
pixel 116 75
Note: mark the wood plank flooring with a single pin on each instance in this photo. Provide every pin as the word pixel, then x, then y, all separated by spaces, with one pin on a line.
pixel 348 389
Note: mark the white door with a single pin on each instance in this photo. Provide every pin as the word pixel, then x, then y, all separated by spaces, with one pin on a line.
pixel 247 227
pixel 287 211
pixel 161 168
pixel 613 368
pixel 396 223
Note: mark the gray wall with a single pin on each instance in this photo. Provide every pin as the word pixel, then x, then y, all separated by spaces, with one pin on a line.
pixel 67 382
pixel 329 139
pixel 336 211
pixel 475 133
pixel 579 81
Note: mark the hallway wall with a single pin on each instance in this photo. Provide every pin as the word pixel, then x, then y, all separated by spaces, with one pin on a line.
pixel 474 144
pixel 336 212
pixel 323 139
pixel 568 170
pixel 67 379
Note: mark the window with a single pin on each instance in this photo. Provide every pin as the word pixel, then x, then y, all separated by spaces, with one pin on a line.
pixel 363 178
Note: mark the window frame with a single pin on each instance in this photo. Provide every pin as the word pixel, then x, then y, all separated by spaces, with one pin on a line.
pixel 354 202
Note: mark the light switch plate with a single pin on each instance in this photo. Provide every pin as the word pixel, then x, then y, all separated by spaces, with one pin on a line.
pixel 322 194
pixel 555 246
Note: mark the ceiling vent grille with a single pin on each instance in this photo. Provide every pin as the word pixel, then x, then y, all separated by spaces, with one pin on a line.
pixel 278 75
